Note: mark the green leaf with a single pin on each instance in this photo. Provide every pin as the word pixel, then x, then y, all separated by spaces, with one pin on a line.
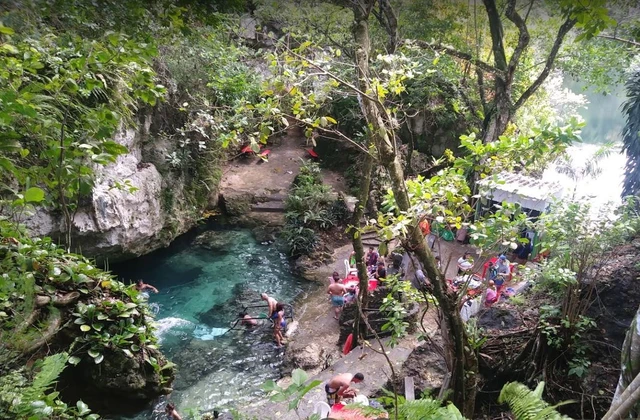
pixel 93 353
pixel 270 385
pixel 99 359
pixel 299 377
pixel 6 30
pixel 34 195
pixel 74 360
pixel 127 352
pixel 82 408
pixel 85 327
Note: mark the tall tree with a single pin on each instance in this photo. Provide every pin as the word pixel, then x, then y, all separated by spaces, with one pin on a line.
pixel 381 129
pixel 631 136
pixel 502 100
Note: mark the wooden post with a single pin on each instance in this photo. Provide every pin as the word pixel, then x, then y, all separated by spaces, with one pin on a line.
pixel 409 389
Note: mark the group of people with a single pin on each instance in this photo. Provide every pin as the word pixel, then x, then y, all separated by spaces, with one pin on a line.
pixel 341 294
pixel 275 313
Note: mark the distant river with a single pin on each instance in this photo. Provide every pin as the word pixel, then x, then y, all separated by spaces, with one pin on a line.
pixel 604 188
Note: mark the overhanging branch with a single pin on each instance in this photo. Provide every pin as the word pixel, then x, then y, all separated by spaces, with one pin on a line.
pixel 562 32
pixel 622 40
pixel 455 53
pixel 523 38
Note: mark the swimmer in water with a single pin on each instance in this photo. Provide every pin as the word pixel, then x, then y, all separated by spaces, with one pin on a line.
pixel 141 286
pixel 247 320
pixel 170 409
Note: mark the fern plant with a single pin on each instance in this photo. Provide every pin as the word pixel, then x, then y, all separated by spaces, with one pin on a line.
pixel 529 405
pixel 34 402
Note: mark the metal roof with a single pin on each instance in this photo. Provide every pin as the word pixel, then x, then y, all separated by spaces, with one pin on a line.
pixel 529 192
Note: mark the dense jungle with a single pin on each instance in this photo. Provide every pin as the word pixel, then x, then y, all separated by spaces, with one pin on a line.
pixel 319 209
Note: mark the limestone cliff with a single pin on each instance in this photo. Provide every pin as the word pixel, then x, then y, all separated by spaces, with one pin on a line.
pixel 120 221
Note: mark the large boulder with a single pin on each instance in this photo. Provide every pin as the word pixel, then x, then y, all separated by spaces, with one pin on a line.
pixel 130 378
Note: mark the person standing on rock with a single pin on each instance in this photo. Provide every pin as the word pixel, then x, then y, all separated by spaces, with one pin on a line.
pixel 279 324
pixel 338 387
pixel 271 302
pixel 336 293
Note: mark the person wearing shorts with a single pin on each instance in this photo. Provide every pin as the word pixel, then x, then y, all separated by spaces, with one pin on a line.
pixel 336 291
pixel 340 386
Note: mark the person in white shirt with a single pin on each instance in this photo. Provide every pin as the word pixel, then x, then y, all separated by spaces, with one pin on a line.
pixel 465 262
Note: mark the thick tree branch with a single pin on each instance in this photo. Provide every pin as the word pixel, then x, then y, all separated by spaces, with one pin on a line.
pixel 623 40
pixel 455 53
pixel 523 39
pixel 496 30
pixel 389 22
pixel 562 32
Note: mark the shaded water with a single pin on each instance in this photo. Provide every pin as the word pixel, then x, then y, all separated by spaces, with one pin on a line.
pixel 200 294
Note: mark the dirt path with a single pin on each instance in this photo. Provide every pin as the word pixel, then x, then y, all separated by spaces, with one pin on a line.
pixel 264 185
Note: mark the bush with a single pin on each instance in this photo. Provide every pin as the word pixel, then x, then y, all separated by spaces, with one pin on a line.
pixel 301 240
pixel 309 206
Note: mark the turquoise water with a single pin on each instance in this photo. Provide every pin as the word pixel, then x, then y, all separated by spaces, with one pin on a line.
pixel 200 294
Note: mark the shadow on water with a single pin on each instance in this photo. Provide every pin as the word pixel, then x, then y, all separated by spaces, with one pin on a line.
pixel 203 284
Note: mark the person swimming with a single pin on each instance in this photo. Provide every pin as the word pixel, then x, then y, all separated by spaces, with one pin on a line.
pixel 143 287
pixel 247 320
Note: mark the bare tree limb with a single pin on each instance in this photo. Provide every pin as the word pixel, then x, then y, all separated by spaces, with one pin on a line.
pixel 497 33
pixel 334 132
pixel 523 39
pixel 622 40
pixel 389 22
pixel 562 32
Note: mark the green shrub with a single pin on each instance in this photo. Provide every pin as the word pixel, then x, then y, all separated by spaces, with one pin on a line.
pixel 300 240
pixel 309 206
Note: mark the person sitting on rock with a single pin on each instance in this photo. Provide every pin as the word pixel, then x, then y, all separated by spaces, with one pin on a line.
pixel 170 409
pixel 339 387
pixel 142 286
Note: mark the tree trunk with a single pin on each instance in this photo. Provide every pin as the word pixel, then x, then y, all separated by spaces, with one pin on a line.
pixel 356 239
pixel 463 359
pixel 630 364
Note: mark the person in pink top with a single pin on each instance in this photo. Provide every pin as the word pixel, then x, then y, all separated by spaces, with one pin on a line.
pixel 492 295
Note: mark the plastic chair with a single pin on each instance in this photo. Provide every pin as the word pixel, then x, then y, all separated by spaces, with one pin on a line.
pixel 322 409
pixel 347 267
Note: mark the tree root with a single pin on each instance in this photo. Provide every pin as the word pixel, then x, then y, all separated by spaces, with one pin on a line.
pixel 28 321
pixel 54 322
pixel 66 300
pixel 42 300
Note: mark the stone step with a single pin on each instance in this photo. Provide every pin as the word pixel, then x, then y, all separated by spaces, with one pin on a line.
pixel 268 207
pixel 370 235
pixel 273 197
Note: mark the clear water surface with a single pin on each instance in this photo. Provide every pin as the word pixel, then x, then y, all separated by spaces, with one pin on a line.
pixel 200 294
